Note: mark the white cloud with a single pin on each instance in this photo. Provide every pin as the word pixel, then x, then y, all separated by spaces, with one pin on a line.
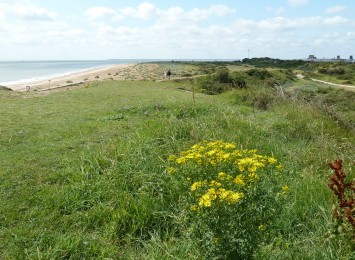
pixel 335 9
pixel 149 11
pixel 35 13
pixel 143 11
pixel 220 10
pixel 23 10
pixel 351 34
pixel 119 31
pixel 336 20
pixel 101 12
pixel 63 34
pixel 214 10
pixel 295 3
pixel 282 23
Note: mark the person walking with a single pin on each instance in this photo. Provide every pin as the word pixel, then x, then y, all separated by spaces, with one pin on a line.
pixel 168 74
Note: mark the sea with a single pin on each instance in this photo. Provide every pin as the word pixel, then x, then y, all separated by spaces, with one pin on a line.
pixel 17 72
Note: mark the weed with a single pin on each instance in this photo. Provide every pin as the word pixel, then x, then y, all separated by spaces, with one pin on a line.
pixel 345 193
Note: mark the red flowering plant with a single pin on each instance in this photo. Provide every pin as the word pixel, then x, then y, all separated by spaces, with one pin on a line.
pixel 344 191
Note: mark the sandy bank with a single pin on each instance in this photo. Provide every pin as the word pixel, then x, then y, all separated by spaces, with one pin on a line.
pixel 117 72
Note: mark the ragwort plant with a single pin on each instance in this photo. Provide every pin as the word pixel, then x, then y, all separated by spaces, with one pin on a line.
pixel 231 195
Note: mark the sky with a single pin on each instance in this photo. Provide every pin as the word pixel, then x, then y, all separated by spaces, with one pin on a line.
pixel 165 29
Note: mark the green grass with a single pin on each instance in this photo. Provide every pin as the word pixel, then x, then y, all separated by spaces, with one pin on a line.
pixel 82 172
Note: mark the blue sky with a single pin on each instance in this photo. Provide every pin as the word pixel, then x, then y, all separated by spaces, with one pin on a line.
pixel 166 29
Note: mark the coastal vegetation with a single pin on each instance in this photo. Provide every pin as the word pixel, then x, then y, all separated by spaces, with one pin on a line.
pixel 224 160
pixel 340 72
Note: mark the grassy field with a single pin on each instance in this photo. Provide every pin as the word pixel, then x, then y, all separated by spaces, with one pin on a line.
pixel 83 172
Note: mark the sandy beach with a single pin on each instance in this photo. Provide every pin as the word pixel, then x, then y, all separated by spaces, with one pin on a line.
pixel 117 72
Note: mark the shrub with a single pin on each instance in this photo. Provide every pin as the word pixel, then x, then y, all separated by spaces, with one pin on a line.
pixel 333 71
pixel 222 76
pixel 210 86
pixel 238 80
pixel 259 74
pixel 231 197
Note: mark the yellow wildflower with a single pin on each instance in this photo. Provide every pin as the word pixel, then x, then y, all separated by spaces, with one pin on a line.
pixel 285 189
pixel 172 170
pixel 196 185
pixel 229 146
pixel 194 208
pixel 205 201
pixel 235 197
pixel 271 160
pixel 171 157
pixel 224 194
pixel 211 153
pixel 214 183
pixel 262 227
pixel 226 156
pixel 239 180
pixel 212 193
pixel 181 160
pixel 222 176
pixel 253 176
pixel 280 166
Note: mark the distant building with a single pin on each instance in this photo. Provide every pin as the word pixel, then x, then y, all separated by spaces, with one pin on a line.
pixel 312 57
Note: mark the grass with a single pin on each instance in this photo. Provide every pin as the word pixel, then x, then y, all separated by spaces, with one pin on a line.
pixel 83 171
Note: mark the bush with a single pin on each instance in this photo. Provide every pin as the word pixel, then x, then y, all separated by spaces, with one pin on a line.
pixel 230 196
pixel 259 74
pixel 333 71
pixel 210 86
pixel 238 80
pixel 222 76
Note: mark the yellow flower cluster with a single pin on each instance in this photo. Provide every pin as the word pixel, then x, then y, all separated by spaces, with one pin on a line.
pixel 218 172
pixel 218 195
pixel 219 152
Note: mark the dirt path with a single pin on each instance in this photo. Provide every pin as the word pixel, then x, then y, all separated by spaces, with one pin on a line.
pixel 334 84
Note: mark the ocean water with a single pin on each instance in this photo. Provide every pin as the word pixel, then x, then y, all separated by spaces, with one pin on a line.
pixel 15 72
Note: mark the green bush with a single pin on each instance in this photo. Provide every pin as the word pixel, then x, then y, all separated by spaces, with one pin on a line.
pixel 259 74
pixel 222 76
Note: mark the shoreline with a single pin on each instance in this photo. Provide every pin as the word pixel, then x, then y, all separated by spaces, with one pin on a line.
pixel 89 75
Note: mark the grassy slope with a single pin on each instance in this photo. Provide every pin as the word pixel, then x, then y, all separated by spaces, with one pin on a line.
pixel 340 73
pixel 82 171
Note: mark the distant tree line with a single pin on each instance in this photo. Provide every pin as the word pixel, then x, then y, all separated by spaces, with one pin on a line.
pixel 267 62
